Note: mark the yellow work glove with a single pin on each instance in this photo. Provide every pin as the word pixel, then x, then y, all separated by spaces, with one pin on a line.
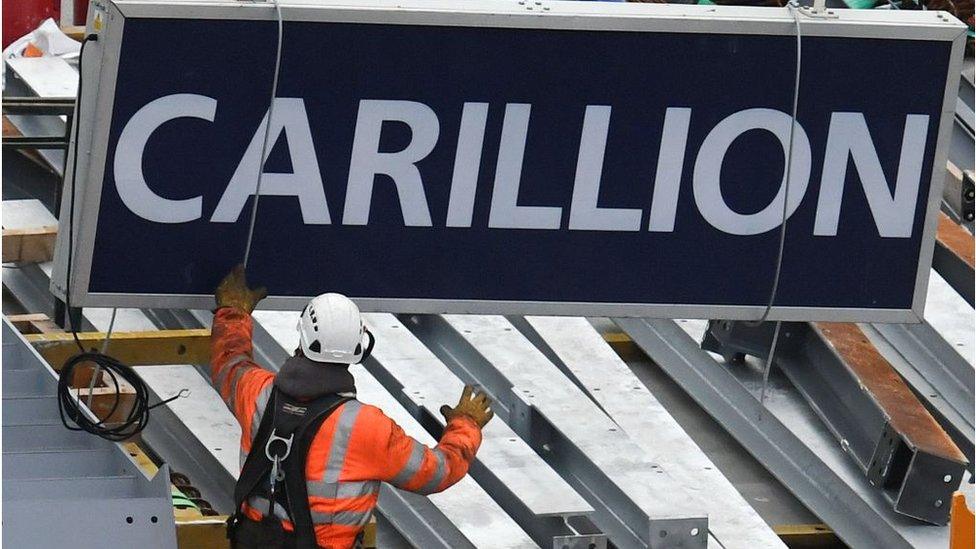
pixel 233 292
pixel 475 407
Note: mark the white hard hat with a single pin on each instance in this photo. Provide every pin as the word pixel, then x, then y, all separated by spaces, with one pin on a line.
pixel 332 330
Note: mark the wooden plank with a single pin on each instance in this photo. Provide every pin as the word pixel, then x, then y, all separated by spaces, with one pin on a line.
pixel 131 348
pixel 803 536
pixel 210 532
pixel 36 323
pixel 957 240
pixel 34 245
pixel 625 347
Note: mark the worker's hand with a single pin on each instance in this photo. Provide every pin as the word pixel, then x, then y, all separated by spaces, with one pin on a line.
pixel 476 407
pixel 233 292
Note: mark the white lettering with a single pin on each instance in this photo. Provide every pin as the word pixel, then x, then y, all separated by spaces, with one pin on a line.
pixel 305 181
pixel 584 214
pixel 367 161
pixel 467 164
pixel 129 178
pixel 708 171
pixel 848 137
pixel 670 162
pixel 505 211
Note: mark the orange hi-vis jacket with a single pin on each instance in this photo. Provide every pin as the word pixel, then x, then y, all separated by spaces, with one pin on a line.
pixel 355 449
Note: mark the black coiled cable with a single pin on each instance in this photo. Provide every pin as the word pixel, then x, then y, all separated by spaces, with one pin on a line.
pixel 69 405
pixel 120 428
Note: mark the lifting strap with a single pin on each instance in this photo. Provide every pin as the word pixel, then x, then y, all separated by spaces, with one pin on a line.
pixel 286 432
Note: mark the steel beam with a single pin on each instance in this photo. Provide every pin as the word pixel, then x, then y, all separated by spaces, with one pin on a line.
pixel 518 479
pixel 940 376
pixel 824 486
pixel 961 147
pixel 574 345
pixel 637 503
pixel 874 415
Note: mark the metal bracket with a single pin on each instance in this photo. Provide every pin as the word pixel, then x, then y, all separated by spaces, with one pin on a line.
pixel 876 418
pixel 815 12
pixel 533 5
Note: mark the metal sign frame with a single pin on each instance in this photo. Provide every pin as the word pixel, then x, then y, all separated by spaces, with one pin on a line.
pixel 102 63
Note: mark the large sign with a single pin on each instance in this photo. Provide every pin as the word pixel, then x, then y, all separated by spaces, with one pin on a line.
pixel 578 158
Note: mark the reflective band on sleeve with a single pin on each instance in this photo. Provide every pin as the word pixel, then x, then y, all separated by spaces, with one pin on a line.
pixel 340 441
pixel 343 518
pixel 232 399
pixel 439 474
pixel 261 505
pixel 222 376
pixel 343 490
pixel 411 467
pixel 260 404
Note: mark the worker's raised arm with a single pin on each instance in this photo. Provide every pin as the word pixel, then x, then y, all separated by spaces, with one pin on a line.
pixel 232 369
pixel 392 456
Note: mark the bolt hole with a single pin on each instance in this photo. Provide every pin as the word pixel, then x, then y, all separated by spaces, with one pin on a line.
pixel 947 479
pixel 129 520
pixel 154 519
pixel 694 532
pixel 181 350
pixel 663 533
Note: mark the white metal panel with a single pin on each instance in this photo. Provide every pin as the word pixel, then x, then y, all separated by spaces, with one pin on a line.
pixel 575 416
pixel 430 384
pixel 632 406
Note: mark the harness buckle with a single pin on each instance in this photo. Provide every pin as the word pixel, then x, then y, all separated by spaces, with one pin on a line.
pixel 273 438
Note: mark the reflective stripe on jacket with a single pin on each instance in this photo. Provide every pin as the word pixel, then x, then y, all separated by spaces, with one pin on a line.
pixel 355 449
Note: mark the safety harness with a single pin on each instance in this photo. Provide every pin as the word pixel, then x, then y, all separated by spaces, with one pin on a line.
pixel 275 470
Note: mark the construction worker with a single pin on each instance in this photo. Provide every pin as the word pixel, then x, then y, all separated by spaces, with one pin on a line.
pixel 312 467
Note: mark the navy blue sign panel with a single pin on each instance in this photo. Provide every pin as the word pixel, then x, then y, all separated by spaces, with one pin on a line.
pixel 423 167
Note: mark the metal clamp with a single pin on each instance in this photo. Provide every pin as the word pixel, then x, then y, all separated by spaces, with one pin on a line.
pixel 273 438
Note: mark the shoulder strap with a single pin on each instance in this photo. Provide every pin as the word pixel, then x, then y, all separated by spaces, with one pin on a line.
pixel 298 422
pixel 257 466
pixel 296 489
